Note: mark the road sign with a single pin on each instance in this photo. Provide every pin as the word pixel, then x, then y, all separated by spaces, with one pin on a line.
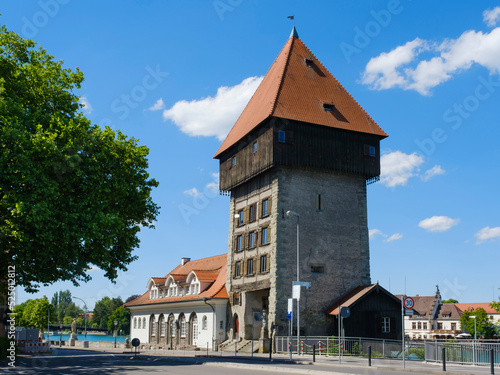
pixel 289 315
pixel 409 303
pixel 296 292
pixel 409 312
pixel 258 316
pixel 303 283
pixel 290 305
pixel 345 312
pixel 135 342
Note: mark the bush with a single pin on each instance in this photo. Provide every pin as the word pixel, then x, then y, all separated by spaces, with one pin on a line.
pixel 417 352
pixel 4 346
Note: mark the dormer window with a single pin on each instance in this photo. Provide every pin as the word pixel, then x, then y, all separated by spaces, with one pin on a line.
pixel 309 61
pixel 328 107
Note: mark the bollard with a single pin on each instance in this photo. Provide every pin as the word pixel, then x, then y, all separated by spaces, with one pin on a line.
pixel 302 347
pixel 444 359
pixel 314 352
pixel 207 349
pixel 369 355
pixel 235 349
pixel 320 348
pixel 492 362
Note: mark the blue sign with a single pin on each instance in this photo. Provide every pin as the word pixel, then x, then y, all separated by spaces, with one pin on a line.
pixel 289 315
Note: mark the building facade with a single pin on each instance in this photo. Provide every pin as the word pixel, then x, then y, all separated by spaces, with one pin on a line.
pixel 186 308
pixel 302 144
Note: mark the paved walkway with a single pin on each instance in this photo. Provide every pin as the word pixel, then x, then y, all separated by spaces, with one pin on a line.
pixel 302 364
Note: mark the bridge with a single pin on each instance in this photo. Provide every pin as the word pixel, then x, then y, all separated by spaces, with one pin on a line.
pixel 67 327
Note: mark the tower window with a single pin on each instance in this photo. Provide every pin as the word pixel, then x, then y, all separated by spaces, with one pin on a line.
pixel 251 213
pixel 250 267
pixel 239 243
pixel 317 269
pixel 251 240
pixel 265 207
pixel 372 151
pixel 255 146
pixel 263 264
pixel 237 269
pixel 234 161
pixel 265 235
pixel 319 202
pixel 281 136
pixel 241 217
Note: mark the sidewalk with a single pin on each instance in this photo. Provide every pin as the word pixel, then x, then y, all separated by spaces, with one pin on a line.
pixel 299 364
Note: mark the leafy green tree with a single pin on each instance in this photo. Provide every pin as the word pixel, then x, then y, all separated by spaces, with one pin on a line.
pixel 103 310
pixel 122 316
pixel 450 300
pixel 18 313
pixel 484 327
pixel 35 313
pixel 61 301
pixel 72 195
pixel 496 305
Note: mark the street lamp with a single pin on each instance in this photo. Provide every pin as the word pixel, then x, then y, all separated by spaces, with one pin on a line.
pixel 85 314
pixel 60 334
pixel 213 322
pixel 116 323
pixel 289 214
pixel 475 338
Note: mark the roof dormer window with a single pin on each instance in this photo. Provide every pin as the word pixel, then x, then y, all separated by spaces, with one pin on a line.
pixel 328 107
pixel 309 61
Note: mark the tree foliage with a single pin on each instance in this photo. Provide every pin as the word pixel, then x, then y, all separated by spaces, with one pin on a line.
pixel 122 316
pixel 132 297
pixel 103 309
pixel 496 305
pixel 34 313
pixel 72 195
pixel 450 300
pixel 484 327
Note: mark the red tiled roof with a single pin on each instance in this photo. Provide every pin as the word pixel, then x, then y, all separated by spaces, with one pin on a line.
pixel 213 267
pixel 295 90
pixel 485 305
pixel 159 280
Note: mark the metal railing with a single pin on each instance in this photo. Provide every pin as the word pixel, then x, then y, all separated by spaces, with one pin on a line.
pixel 462 352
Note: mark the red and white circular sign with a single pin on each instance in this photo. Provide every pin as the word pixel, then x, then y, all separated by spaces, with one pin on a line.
pixel 409 303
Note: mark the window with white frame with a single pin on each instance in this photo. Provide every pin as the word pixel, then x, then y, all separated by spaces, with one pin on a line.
pixel 195 328
pixel 204 322
pixel 386 324
pixel 135 323
pixel 183 326
pixel 153 326
pixel 143 323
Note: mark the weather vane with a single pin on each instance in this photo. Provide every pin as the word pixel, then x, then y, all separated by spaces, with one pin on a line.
pixel 293 19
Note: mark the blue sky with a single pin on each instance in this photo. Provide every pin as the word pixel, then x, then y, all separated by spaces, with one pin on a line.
pixel 176 74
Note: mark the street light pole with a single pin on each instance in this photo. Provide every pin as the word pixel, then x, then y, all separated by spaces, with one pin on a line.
pixel 291 213
pixel 213 322
pixel 475 338
pixel 85 315
pixel 116 323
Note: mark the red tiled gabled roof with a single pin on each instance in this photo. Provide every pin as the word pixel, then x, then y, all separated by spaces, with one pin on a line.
pixel 213 267
pixel 296 90
pixel 463 307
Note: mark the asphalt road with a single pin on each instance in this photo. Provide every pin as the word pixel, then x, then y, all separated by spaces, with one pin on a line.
pixel 74 361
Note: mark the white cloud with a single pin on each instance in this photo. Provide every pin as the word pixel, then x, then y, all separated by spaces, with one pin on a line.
pixel 438 223
pixel 487 233
pixel 373 233
pixel 491 16
pixel 213 187
pixel 397 168
pixel 84 102
pixel 401 66
pixel 381 71
pixel 394 237
pixel 192 192
pixel 434 171
pixel 158 106
pixel 214 115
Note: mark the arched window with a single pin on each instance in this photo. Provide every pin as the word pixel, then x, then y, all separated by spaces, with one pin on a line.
pixel 139 327
pixel 135 323
pixel 183 326
pixel 143 322
pixel 161 323
pixel 153 325
pixel 204 322
pixel 195 328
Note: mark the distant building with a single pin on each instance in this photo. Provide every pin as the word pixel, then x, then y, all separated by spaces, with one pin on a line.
pixel 302 144
pixel 185 308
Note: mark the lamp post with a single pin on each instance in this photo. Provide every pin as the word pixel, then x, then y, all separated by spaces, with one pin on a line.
pixel 60 334
pixel 475 338
pixel 116 323
pixel 213 321
pixel 85 315
pixel 289 214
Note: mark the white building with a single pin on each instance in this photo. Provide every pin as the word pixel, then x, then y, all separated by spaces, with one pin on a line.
pixel 186 308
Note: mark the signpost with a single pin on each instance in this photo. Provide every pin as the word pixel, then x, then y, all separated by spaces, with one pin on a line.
pixel 135 343
pixel 289 315
pixel 407 304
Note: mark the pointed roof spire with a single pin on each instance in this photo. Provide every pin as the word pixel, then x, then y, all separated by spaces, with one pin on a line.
pixel 298 87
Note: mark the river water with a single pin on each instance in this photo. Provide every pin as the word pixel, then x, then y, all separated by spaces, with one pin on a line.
pixel 91 338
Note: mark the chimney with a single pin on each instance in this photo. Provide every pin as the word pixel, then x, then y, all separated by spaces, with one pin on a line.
pixel 184 261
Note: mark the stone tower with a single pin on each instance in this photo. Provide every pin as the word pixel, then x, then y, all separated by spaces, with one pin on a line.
pixel 301 144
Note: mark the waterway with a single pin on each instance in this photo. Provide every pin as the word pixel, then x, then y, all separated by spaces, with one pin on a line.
pixel 91 338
